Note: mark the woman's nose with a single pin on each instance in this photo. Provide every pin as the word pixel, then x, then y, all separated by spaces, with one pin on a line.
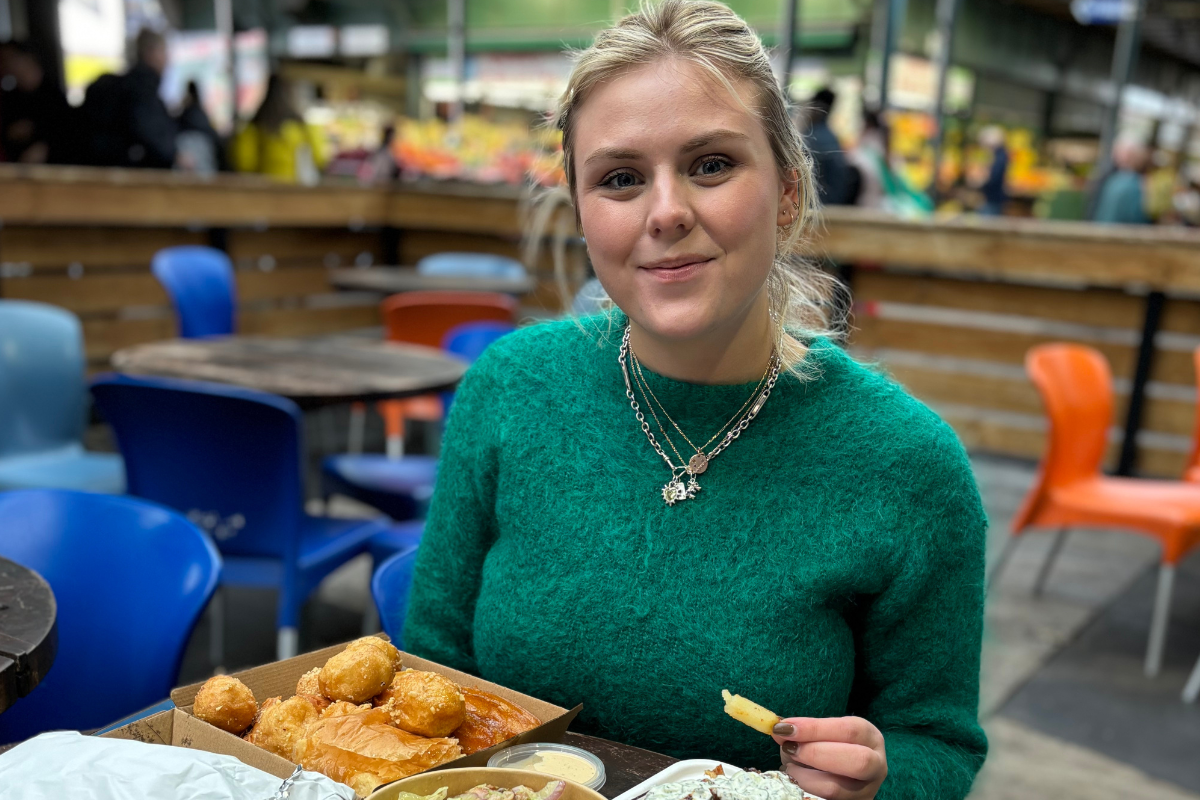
pixel 670 210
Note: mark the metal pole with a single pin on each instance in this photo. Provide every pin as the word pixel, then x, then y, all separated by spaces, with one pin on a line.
pixel 885 30
pixel 223 13
pixel 947 11
pixel 456 48
pixel 1125 54
pixel 787 43
pixel 6 26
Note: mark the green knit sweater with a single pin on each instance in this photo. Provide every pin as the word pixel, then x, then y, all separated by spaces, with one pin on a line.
pixel 831 565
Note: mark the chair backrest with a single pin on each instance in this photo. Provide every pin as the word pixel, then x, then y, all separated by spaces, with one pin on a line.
pixel 42 396
pixel 200 283
pixel 130 580
pixel 228 458
pixel 1076 388
pixel 469 340
pixel 471 265
pixel 390 586
pixel 426 317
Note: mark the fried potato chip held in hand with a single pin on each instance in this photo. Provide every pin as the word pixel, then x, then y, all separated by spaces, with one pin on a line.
pixel 356 674
pixel 226 703
pixel 424 703
pixel 749 713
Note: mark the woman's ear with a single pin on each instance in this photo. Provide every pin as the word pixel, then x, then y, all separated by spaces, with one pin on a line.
pixel 789 199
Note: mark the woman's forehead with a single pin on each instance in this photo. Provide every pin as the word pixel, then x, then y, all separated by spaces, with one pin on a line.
pixel 670 102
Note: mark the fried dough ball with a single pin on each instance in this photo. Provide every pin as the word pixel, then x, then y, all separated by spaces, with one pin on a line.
pixel 490 720
pixel 356 674
pixel 308 683
pixel 387 648
pixel 226 703
pixel 281 725
pixel 424 703
pixel 341 708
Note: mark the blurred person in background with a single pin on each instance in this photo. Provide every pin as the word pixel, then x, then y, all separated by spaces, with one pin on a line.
pixel 277 141
pixel 36 121
pixel 829 161
pixel 995 195
pixel 871 160
pixel 197 137
pixel 131 126
pixel 1122 197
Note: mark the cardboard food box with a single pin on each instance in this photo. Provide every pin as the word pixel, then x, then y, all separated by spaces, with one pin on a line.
pixel 279 680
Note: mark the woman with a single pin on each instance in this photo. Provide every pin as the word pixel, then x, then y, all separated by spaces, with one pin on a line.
pixel 277 141
pixel 830 564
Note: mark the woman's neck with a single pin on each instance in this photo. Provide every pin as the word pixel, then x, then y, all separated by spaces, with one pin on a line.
pixel 737 352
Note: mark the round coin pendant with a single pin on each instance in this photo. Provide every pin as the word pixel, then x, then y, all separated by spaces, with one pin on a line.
pixel 697 464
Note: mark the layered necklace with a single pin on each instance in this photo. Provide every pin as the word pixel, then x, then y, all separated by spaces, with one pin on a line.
pixel 675 490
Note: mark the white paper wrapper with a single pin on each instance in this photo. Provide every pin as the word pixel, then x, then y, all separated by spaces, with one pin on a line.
pixel 69 766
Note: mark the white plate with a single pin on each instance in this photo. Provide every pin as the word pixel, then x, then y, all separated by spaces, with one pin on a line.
pixel 681 771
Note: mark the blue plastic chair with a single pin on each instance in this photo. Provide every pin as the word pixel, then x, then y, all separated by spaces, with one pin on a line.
pixel 130 579
pixel 471 265
pixel 231 459
pixel 43 404
pixel 390 587
pixel 401 487
pixel 201 285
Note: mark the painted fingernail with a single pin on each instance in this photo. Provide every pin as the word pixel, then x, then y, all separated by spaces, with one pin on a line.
pixel 784 729
pixel 790 747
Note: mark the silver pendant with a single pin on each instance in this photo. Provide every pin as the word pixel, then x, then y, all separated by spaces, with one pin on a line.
pixel 675 490
pixel 697 464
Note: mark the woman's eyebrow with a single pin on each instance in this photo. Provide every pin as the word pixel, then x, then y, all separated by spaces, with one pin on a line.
pixel 705 139
pixel 613 154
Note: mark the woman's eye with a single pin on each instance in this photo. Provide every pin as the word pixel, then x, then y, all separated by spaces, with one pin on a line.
pixel 712 167
pixel 619 180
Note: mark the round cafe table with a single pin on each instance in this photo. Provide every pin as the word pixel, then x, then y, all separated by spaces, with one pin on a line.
pixel 311 372
pixel 28 631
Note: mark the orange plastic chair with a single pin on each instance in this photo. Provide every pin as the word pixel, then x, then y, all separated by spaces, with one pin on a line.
pixel 1076 388
pixel 425 318
pixel 1191 474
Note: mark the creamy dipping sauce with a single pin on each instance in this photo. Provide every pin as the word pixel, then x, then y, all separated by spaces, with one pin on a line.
pixel 560 765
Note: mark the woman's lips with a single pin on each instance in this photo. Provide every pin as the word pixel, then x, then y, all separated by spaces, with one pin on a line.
pixel 677 274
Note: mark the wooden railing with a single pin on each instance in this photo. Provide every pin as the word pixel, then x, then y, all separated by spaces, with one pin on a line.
pixel 949 307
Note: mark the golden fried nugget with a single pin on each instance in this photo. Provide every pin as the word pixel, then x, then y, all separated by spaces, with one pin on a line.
pixel 424 703
pixel 226 703
pixel 341 708
pixel 749 713
pixel 490 720
pixel 356 674
pixel 308 683
pixel 387 648
pixel 282 724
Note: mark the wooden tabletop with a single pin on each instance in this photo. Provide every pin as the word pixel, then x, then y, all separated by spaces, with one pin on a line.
pixel 311 372
pixel 624 766
pixel 28 631
pixel 393 280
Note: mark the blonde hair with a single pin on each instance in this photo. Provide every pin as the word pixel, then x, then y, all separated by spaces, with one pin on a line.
pixel 711 36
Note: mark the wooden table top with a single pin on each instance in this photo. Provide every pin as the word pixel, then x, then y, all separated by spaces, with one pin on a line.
pixel 311 372
pixel 624 766
pixel 28 631
pixel 393 280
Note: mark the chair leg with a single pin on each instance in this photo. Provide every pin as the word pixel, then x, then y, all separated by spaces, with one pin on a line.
pixel 358 427
pixel 1191 689
pixel 216 631
pixel 1002 561
pixel 287 643
pixel 1055 547
pixel 1158 624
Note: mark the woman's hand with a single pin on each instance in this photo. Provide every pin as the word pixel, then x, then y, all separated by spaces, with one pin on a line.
pixel 839 758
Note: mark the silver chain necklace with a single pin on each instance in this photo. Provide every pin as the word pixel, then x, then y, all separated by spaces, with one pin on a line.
pixel 675 489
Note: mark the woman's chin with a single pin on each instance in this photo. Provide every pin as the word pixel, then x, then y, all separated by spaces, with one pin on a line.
pixel 681 324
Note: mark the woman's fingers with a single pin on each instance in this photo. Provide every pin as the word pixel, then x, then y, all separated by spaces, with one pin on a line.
pixel 851 730
pixel 848 760
pixel 826 785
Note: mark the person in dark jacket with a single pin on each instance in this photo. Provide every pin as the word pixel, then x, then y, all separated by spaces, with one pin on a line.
pixel 36 121
pixel 831 169
pixel 995 195
pixel 132 126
